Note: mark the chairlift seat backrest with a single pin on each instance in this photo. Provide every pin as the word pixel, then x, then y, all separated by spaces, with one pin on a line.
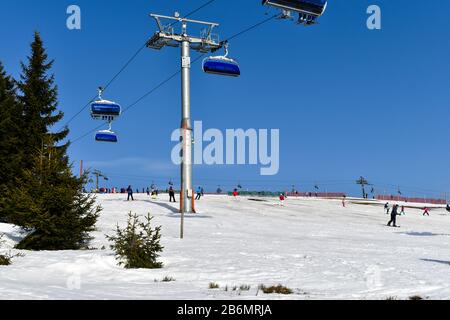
pixel 104 108
pixel 106 136
pixel 221 66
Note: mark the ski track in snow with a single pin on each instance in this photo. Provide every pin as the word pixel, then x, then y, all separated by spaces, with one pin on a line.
pixel 315 247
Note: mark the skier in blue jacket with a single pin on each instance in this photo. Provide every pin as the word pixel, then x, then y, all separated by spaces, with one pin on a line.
pixel 199 193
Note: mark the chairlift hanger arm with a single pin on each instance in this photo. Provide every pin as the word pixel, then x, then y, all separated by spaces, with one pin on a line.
pixel 221 45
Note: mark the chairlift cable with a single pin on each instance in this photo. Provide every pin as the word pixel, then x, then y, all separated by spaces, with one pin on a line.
pixel 107 85
pixel 88 133
pixel 250 28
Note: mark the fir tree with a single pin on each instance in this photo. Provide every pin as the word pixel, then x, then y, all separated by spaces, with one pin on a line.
pixel 39 99
pixel 49 202
pixel 46 198
pixel 11 148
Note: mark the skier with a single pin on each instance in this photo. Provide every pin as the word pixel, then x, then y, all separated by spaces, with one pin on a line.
pixel 343 201
pixel 199 193
pixel 130 193
pixel 235 193
pixel 282 198
pixel 154 194
pixel 148 191
pixel 172 194
pixel 448 208
pixel 387 207
pixel 203 192
pixel 402 211
pixel 394 214
pixel 426 212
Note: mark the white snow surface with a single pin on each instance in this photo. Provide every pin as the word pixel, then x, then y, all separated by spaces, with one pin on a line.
pixel 315 247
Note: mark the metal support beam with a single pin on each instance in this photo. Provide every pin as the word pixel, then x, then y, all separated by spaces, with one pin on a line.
pixel 206 42
pixel 186 129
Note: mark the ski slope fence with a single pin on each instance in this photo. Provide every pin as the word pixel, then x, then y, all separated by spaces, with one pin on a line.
pixel 317 194
pixel 413 200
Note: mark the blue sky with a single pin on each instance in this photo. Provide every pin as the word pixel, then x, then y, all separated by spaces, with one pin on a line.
pixel 348 101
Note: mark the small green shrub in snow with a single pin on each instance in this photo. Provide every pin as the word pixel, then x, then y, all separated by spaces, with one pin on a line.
pixel 168 279
pixel 138 245
pixel 214 285
pixel 279 289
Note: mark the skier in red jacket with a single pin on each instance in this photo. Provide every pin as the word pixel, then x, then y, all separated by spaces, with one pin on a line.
pixel 282 198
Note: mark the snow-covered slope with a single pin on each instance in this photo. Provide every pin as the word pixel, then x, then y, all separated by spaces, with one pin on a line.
pixel 315 247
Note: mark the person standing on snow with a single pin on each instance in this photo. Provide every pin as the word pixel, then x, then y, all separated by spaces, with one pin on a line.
pixel 387 207
pixel 426 212
pixel 282 198
pixel 130 193
pixel 394 214
pixel 171 194
pixel 402 211
pixel 343 201
pixel 199 193
pixel 235 193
